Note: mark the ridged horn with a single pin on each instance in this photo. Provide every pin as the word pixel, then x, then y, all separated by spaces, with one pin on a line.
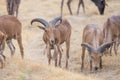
pixel 89 47
pixel 55 20
pixel 102 48
pixel 42 21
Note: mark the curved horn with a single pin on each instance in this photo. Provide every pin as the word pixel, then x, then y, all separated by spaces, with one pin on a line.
pixel 42 21
pixel 55 20
pixel 90 48
pixel 102 48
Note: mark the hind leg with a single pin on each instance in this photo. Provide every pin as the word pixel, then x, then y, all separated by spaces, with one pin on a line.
pixel 19 40
pixel 80 2
pixel 67 51
pixel 68 4
pixel 3 57
pixel 11 46
pixel 17 11
pixel 2 61
pixel 62 3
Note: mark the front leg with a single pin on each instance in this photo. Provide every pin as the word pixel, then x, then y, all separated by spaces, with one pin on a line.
pixel 55 54
pixel 115 48
pixel 90 61
pixel 82 57
pixel 100 62
pixel 60 55
pixel 90 65
pixel 45 49
pixel 48 53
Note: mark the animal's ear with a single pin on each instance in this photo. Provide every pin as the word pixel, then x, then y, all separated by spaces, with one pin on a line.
pixel 41 27
pixel 58 22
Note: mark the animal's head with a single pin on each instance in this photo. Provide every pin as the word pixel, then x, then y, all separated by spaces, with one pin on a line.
pixel 96 54
pixel 49 27
pixel 100 5
pixel 2 41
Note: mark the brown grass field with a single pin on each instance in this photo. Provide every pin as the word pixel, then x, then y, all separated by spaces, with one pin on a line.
pixel 35 66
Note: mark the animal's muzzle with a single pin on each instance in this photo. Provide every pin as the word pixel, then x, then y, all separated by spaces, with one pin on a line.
pixel 52 42
pixel 96 68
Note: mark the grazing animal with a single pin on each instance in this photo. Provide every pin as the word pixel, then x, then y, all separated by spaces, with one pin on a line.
pixel 99 3
pixel 12 28
pixel 2 46
pixel 13 6
pixel 68 4
pixel 111 30
pixel 56 32
pixel 93 41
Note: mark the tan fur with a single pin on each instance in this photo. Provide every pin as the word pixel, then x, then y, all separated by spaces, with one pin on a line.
pixel 111 31
pixel 60 34
pixel 11 27
pixel 94 37
pixel 56 32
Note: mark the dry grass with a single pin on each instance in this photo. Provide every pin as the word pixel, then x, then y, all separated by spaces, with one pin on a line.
pixel 35 67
